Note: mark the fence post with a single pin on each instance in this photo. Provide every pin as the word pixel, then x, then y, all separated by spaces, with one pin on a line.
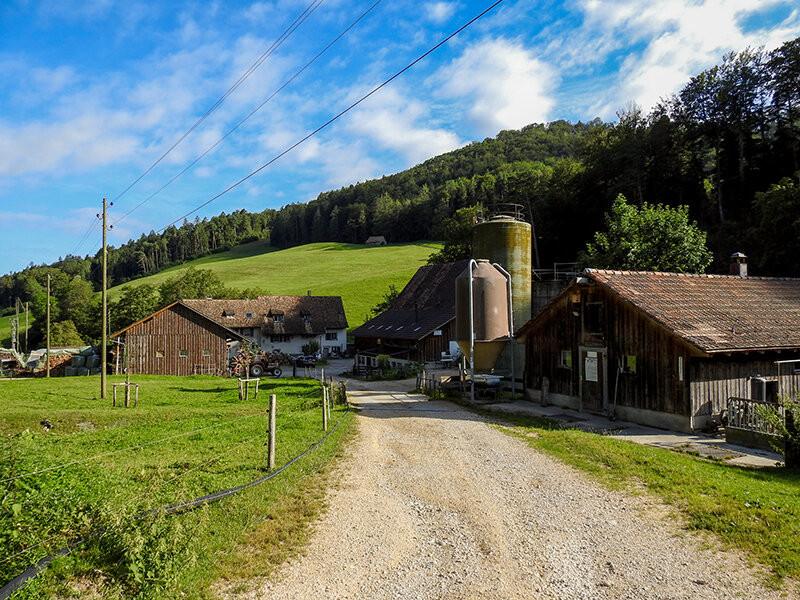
pixel 324 409
pixel 271 443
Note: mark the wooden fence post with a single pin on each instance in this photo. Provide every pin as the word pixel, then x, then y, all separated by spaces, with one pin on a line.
pixel 324 409
pixel 271 443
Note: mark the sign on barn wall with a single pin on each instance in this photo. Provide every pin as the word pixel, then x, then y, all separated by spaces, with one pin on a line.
pixel 590 367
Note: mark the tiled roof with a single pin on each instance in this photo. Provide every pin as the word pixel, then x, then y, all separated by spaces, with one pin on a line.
pixel 716 313
pixel 291 315
pixel 426 303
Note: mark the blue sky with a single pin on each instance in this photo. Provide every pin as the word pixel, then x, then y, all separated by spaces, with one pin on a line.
pixel 92 91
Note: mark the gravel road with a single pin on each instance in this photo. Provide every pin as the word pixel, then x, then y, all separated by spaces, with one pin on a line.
pixel 435 503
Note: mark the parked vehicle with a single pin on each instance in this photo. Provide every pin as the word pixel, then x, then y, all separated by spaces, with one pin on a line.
pixel 305 360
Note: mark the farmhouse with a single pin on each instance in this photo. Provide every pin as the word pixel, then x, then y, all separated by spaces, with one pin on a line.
pixel 419 326
pixel 176 340
pixel 282 323
pixel 663 349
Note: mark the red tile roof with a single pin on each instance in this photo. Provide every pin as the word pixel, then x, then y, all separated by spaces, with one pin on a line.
pixel 299 315
pixel 716 313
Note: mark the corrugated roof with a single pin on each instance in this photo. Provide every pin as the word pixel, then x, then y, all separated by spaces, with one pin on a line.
pixel 716 313
pixel 290 315
pixel 426 303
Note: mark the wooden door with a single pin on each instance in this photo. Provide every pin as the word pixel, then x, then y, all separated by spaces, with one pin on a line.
pixel 593 379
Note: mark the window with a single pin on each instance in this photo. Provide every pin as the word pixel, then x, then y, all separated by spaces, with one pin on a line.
pixel 183 353
pixel 437 332
pixel 248 315
pixel 680 368
pixel 277 318
pixel 331 336
pixel 306 318
pixel 277 339
pixel 159 354
pixel 630 363
pixel 206 353
pixel 565 360
pixel 362 360
pixel 593 317
pixel 247 332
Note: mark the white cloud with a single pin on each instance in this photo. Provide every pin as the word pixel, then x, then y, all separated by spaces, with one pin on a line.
pixel 439 12
pixel 680 38
pixel 505 85
pixel 397 123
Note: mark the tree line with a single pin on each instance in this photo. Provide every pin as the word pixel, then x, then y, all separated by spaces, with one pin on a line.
pixel 724 151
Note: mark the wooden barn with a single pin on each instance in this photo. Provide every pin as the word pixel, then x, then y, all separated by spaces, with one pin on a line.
pixel 663 349
pixel 176 340
pixel 419 326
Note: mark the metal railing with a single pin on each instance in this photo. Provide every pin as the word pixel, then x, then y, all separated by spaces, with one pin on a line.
pixel 560 271
pixel 747 414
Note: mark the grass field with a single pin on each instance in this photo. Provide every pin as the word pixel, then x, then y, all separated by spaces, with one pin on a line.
pixel 757 511
pixel 102 472
pixel 360 274
pixel 5 329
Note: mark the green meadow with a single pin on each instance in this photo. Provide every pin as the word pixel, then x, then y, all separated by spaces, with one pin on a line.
pixel 73 467
pixel 359 274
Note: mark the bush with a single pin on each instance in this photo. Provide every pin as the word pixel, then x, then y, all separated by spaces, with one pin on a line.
pixel 788 428
pixel 311 347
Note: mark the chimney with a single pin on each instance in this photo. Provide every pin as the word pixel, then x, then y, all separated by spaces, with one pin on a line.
pixel 739 264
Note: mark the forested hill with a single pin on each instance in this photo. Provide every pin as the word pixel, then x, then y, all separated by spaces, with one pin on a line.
pixel 727 145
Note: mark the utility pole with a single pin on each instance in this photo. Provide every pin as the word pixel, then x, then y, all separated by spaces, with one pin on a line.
pixel 104 324
pixel 15 337
pixel 27 326
pixel 47 354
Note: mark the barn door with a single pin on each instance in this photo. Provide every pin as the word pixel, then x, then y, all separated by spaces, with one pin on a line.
pixel 593 379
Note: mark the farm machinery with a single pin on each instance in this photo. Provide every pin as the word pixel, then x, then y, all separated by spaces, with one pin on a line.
pixel 257 363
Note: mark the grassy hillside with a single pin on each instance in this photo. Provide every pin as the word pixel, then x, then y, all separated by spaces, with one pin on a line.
pixel 358 273
pixel 5 329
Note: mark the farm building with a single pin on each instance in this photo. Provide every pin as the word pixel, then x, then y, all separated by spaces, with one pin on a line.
pixel 419 325
pixel 663 349
pixel 282 323
pixel 375 240
pixel 176 340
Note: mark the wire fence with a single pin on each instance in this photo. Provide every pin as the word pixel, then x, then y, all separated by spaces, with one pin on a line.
pixel 334 391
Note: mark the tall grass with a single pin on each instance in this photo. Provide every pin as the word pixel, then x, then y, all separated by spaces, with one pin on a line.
pixel 190 436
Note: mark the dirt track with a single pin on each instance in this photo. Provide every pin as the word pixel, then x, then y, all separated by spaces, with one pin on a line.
pixel 434 503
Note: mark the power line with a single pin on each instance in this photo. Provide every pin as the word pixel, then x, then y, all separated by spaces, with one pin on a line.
pixel 252 112
pixel 337 116
pixel 266 54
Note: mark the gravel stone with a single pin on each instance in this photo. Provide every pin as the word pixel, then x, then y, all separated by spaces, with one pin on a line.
pixel 438 504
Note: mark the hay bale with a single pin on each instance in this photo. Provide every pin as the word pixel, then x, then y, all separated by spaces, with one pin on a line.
pixel 78 361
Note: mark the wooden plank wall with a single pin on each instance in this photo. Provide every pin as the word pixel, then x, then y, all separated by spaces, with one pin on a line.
pixel 560 331
pixel 656 384
pixel 169 332
pixel 625 331
pixel 715 380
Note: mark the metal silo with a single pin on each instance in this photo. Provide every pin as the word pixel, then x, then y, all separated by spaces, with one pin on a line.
pixel 482 327
pixel 504 238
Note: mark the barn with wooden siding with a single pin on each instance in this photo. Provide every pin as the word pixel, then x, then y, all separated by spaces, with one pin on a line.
pixel 663 349
pixel 176 340
pixel 419 326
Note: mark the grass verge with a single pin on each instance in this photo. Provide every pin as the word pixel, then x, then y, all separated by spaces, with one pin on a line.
pixel 753 510
pixel 190 437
